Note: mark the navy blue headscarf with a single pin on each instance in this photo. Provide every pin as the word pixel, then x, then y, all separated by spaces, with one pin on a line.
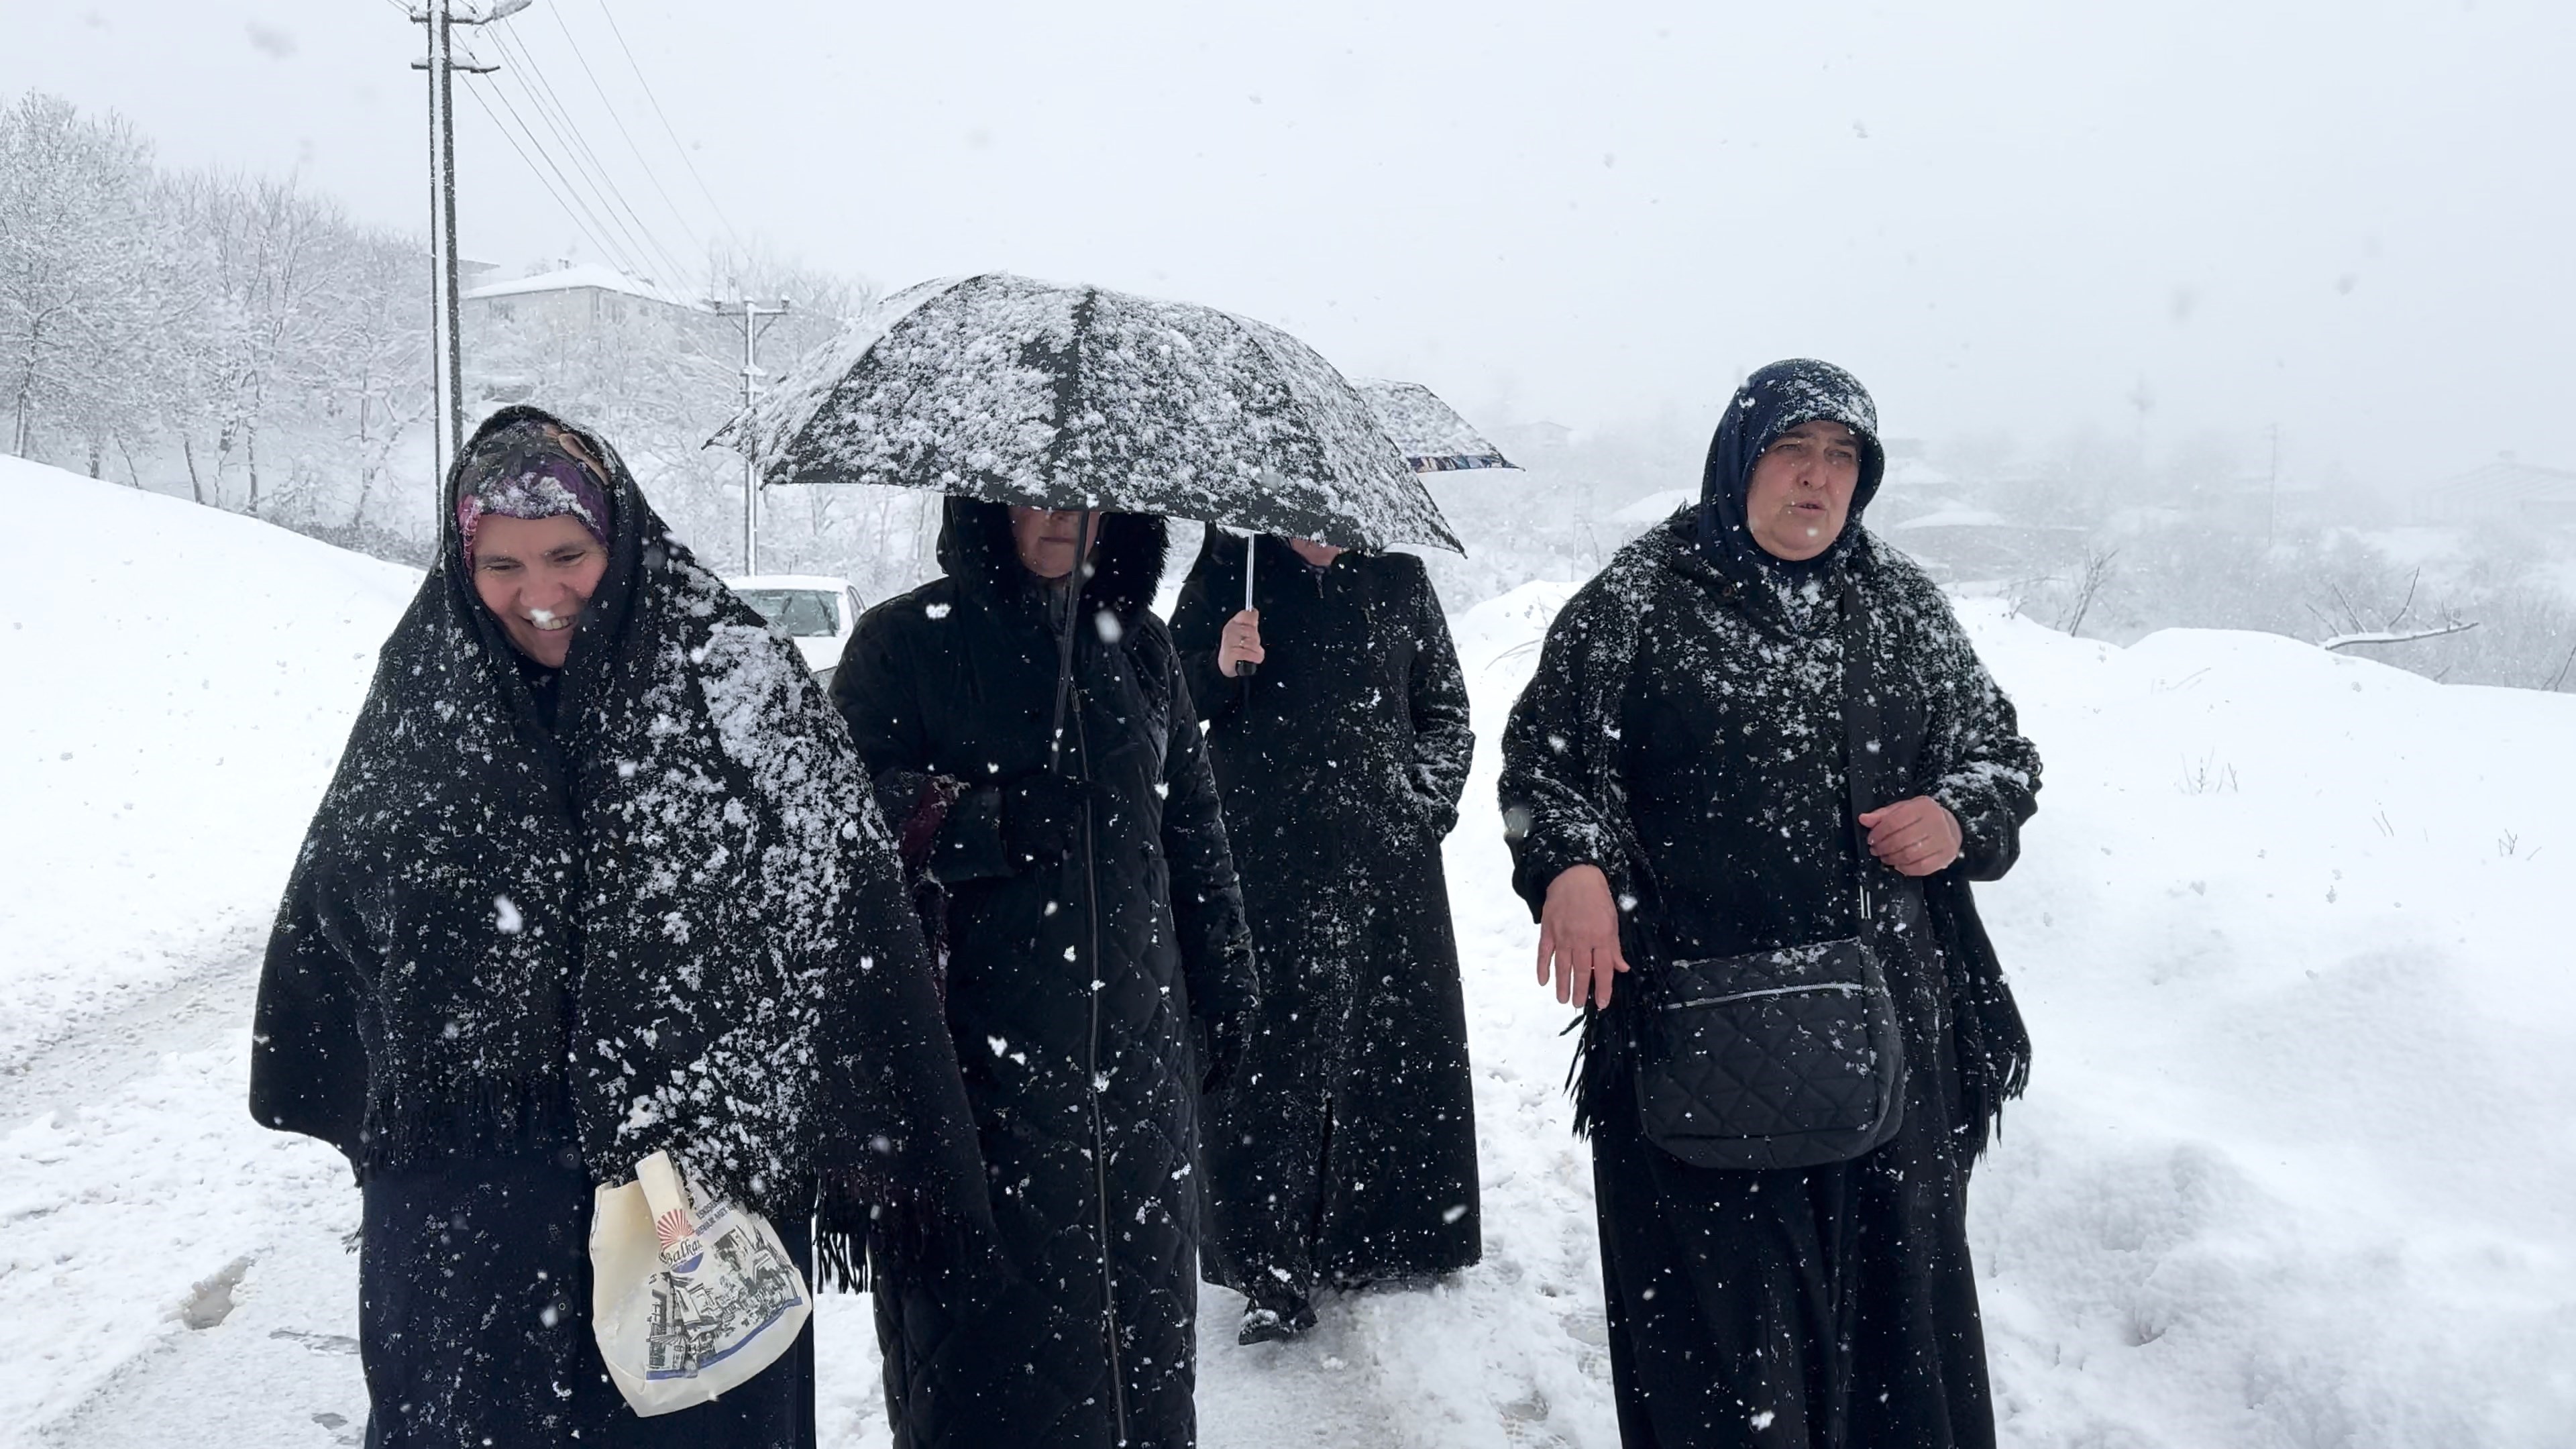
pixel 1771 402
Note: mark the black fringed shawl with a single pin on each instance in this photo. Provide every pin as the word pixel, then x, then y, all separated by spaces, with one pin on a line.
pixel 674 921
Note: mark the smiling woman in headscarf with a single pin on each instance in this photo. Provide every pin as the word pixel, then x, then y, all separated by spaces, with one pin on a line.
pixel 597 876
pixel 1677 767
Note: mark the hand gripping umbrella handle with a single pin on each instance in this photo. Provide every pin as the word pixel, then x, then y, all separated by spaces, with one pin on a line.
pixel 1245 668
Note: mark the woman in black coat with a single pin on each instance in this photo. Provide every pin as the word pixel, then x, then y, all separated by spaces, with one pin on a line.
pixel 1347 1150
pixel 1679 760
pixel 595 878
pixel 1089 919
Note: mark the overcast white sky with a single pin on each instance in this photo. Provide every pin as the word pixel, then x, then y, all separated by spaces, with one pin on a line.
pixel 2353 219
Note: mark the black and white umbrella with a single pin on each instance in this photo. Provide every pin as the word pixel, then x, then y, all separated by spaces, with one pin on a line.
pixel 1076 397
pixel 1429 432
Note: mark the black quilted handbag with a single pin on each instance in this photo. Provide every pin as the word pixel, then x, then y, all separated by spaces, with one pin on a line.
pixel 1784 1058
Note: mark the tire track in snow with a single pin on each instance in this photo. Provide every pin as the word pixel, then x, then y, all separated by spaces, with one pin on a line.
pixel 170 1272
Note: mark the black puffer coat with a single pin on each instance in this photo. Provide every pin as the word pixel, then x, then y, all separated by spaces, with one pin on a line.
pixel 1071 989
pixel 1347 1147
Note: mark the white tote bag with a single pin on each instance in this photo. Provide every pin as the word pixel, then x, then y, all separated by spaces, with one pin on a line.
pixel 688 1297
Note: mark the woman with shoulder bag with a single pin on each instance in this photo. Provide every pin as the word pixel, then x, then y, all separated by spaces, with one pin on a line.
pixel 1746 790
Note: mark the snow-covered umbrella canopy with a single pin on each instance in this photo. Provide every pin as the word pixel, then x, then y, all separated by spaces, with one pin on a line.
pixel 1019 391
pixel 1429 432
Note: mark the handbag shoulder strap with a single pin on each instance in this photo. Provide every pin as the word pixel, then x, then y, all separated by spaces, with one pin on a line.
pixel 1863 739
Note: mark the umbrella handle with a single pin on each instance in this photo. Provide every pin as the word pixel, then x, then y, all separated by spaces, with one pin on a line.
pixel 1064 649
pixel 1245 668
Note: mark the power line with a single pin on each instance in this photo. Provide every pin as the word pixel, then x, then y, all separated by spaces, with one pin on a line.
pixel 533 171
pixel 687 340
pixel 585 158
pixel 670 131
pixel 597 233
pixel 557 12
pixel 621 245
pixel 567 134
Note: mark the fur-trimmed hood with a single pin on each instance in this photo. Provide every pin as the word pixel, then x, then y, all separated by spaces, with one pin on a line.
pixel 1126 564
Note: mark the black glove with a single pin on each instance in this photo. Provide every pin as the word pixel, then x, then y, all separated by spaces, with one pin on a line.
pixel 1042 818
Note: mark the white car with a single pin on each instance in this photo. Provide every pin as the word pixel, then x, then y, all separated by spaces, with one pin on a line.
pixel 820 613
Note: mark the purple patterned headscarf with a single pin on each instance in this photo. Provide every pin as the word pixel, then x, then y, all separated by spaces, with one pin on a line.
pixel 527 470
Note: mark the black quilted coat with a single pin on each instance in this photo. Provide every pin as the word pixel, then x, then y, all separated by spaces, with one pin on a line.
pixel 1347 1148
pixel 1683 732
pixel 1071 990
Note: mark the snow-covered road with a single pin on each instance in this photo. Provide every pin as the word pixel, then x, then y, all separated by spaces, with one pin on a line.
pixel 178 1275
pixel 198 1285
pixel 2290 930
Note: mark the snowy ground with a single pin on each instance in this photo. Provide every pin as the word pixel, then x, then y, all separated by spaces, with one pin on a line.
pixel 2290 931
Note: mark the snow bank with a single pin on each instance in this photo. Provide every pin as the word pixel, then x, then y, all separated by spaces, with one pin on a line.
pixel 2289 929
pixel 180 681
pixel 2291 934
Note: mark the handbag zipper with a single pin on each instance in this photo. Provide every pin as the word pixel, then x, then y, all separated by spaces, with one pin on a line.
pixel 1847 988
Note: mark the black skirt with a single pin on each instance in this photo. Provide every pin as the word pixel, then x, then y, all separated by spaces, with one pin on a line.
pixel 474 1321
pixel 1820 1308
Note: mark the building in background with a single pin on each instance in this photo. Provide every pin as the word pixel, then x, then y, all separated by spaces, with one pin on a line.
pixel 2535 498
pixel 583 331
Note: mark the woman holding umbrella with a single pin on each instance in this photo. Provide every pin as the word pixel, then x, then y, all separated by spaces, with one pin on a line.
pixel 1027 721
pixel 1347 1151
pixel 594 880
pixel 1024 719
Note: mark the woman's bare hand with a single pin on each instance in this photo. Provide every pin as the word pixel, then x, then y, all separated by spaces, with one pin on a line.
pixel 1915 837
pixel 1578 935
pixel 1241 642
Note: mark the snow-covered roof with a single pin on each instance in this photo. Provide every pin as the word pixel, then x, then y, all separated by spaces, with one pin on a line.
pixel 2507 480
pixel 1914 473
pixel 582 276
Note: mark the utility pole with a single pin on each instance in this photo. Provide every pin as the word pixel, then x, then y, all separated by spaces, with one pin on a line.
pixel 2272 492
pixel 753 327
pixel 446 363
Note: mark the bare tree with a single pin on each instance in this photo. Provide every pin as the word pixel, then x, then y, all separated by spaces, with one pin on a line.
pixel 2092 573
pixel 2353 624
